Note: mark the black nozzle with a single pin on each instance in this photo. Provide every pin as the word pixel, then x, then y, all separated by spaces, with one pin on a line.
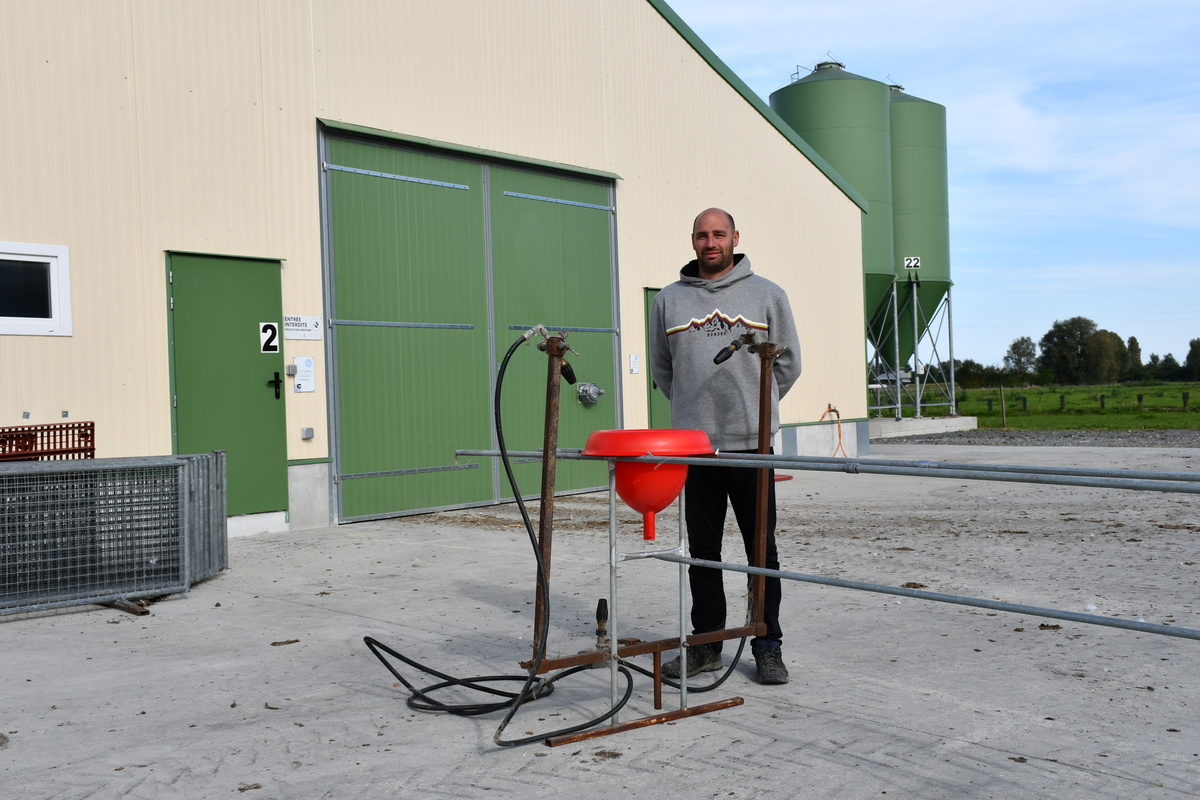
pixel 726 352
pixel 568 373
pixel 601 616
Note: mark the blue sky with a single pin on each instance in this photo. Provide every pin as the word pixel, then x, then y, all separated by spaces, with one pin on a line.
pixel 1074 146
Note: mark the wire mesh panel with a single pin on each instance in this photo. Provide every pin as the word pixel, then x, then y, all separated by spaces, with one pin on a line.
pixel 113 529
pixel 204 516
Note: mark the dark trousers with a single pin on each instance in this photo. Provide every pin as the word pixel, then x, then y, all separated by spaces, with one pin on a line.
pixel 706 494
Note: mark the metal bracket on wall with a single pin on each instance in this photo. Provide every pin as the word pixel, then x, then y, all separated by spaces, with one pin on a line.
pixel 373 324
pixel 564 329
pixel 558 200
pixel 390 176
pixel 417 471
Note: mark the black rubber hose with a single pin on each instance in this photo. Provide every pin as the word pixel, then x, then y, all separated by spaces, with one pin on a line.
pixel 420 699
pixel 543 586
pixel 737 657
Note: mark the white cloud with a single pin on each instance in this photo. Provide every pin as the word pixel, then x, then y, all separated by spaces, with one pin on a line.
pixel 1074 144
pixel 1099 100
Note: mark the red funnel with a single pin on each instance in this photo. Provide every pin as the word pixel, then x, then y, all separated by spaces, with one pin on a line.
pixel 645 487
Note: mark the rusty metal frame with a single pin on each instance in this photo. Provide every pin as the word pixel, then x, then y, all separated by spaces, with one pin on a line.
pixel 556 349
pixel 764 462
pixel 55 441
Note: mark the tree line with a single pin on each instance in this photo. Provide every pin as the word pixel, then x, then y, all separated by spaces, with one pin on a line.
pixel 1075 351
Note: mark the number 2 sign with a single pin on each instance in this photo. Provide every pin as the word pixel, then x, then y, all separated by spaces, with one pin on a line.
pixel 268 337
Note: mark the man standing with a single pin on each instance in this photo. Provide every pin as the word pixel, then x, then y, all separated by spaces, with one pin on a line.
pixel 717 299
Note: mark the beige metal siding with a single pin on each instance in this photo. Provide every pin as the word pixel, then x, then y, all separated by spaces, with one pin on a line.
pixel 68 154
pixel 613 87
pixel 148 126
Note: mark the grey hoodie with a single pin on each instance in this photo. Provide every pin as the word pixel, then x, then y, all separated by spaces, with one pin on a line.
pixel 691 321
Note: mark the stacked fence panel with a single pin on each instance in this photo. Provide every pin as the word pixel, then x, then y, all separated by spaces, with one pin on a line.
pixel 111 529
pixel 208 544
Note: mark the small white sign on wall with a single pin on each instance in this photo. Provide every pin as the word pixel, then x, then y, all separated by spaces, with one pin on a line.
pixel 298 327
pixel 306 374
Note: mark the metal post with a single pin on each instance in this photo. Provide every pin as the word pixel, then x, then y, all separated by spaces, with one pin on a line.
pixel 916 315
pixel 896 363
pixel 950 340
pixel 683 676
pixel 555 348
pixel 767 353
pixel 612 585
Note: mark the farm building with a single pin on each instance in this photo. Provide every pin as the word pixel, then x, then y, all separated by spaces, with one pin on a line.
pixel 305 233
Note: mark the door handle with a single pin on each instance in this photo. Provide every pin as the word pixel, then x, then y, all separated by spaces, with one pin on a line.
pixel 276 383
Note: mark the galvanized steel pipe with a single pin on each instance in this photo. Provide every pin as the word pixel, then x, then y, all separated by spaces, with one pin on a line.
pixel 1139 480
pixel 1144 474
pixel 918 594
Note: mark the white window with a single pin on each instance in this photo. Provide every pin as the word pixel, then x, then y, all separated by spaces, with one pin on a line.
pixel 35 289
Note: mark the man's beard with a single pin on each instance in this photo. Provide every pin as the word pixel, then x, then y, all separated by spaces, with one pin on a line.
pixel 725 262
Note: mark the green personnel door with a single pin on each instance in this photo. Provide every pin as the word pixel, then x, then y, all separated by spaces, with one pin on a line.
pixel 227 370
pixel 437 263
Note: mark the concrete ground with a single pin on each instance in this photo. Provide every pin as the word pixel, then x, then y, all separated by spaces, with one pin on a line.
pixel 256 683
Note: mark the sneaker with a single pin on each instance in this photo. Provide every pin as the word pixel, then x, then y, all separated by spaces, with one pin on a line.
pixel 771 669
pixel 699 659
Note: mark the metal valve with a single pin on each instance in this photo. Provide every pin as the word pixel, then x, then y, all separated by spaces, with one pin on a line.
pixel 602 642
pixel 589 392
pixel 748 341
pixel 745 340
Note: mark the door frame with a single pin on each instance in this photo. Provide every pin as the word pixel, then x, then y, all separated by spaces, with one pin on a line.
pixel 171 350
pixel 329 131
pixel 654 396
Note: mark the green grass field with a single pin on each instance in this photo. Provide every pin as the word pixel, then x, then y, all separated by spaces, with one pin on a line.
pixel 1125 407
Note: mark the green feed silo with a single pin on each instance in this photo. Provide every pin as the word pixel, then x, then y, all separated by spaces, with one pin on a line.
pixel 920 210
pixel 846 118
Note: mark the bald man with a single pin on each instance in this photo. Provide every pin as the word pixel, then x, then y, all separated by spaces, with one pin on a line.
pixel 717 299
